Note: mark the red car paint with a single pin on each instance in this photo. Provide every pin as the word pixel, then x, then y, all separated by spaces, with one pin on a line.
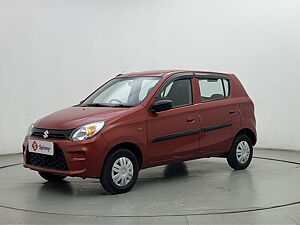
pixel 138 128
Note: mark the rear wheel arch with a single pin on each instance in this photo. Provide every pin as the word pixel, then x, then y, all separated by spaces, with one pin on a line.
pixel 248 132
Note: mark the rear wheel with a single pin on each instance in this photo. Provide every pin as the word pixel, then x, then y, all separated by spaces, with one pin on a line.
pixel 120 171
pixel 241 153
pixel 52 177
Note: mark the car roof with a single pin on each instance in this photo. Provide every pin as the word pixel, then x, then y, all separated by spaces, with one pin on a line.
pixel 161 73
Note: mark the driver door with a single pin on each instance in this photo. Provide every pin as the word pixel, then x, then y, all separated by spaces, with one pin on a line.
pixel 174 133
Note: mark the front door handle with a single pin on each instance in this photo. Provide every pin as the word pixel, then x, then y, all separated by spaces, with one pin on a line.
pixel 190 119
pixel 232 112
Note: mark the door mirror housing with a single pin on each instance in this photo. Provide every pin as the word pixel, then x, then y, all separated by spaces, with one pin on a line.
pixel 162 105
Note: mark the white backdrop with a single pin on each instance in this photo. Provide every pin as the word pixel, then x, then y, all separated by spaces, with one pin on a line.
pixel 53 53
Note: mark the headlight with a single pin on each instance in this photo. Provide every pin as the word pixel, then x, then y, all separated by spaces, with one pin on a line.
pixel 29 131
pixel 87 131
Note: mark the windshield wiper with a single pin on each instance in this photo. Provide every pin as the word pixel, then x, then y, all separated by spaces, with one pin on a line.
pixel 96 105
pixel 121 106
pixel 106 105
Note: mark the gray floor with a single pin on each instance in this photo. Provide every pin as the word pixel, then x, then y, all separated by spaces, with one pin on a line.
pixel 202 191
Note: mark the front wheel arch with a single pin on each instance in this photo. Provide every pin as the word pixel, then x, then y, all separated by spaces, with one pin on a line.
pixel 131 147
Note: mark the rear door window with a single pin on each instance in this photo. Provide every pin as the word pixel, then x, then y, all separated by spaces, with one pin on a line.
pixel 212 89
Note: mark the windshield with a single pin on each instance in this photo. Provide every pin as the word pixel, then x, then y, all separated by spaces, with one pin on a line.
pixel 122 92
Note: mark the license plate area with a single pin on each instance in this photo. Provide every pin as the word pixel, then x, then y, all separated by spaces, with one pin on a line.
pixel 41 147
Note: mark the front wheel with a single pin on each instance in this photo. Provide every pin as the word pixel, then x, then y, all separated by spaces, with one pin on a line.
pixel 52 177
pixel 120 171
pixel 241 153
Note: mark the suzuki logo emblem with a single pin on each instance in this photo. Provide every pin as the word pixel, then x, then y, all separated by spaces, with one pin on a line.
pixel 46 134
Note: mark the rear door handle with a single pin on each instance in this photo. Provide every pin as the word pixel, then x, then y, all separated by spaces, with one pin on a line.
pixel 232 112
pixel 190 119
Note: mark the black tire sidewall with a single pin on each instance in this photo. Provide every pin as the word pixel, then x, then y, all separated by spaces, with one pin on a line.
pixel 106 178
pixel 232 157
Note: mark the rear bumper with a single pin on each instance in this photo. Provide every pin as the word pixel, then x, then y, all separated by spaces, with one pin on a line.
pixel 83 158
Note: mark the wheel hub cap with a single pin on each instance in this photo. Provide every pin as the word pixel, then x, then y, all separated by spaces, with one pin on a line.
pixel 243 152
pixel 122 171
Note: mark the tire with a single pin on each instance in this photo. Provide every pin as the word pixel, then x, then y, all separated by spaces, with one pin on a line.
pixel 52 177
pixel 121 164
pixel 241 153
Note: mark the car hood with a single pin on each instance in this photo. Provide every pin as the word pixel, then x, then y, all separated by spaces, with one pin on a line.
pixel 74 117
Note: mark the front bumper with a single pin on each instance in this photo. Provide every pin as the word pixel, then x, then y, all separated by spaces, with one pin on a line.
pixel 83 158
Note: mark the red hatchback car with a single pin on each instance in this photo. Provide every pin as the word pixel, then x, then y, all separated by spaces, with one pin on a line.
pixel 145 119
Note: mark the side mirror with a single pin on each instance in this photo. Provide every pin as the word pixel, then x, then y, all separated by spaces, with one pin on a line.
pixel 162 105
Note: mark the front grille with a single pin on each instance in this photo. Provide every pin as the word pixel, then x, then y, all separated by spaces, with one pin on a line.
pixel 51 134
pixel 56 162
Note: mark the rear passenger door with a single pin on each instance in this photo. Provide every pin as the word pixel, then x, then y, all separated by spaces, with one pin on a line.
pixel 218 113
